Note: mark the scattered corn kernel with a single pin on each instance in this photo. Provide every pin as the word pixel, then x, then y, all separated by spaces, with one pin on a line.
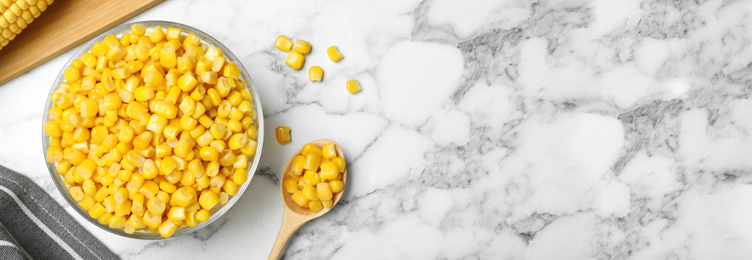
pixel 353 86
pixel 295 60
pixel 283 43
pixel 283 134
pixel 315 74
pixel 333 53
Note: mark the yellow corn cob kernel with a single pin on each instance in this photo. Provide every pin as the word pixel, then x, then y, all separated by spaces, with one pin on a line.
pixel 324 191
pixel 89 188
pixel 163 150
pixel 143 93
pixel 301 46
pixel 231 71
pixel 340 163
pixel 295 60
pixel 141 51
pixel 209 154
pixel 184 196
pixel 283 43
pixel 156 34
pixel 167 228
pixel 176 214
pixel 310 148
pixel 101 194
pixel 309 191
pixel 149 189
pixel 72 74
pixel 299 199
pixel 86 202
pixel 142 140
pixel 167 187
pixel 237 141
pixel 86 168
pixel 137 205
pixel 312 161
pixel 315 74
pixel 230 188
pixel 217 64
pixel 123 209
pixel 171 132
pixel 155 206
pixel 336 186
pixel 96 210
pixel 227 158
pixel 353 86
pixel 168 57
pixel 52 129
pixel 136 110
pixel 203 215
pixel 250 148
pixel 208 200
pixel 296 168
pixel 283 134
pixel 333 53
pixel 138 29
pixel 76 193
pixel 315 206
pixel 329 151
pixel 152 220
pixel 212 53
pixel 156 124
pixel 291 186
pixel 134 158
pixel 311 177
pixel 327 203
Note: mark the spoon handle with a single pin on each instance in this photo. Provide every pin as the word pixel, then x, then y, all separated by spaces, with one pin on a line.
pixel 290 223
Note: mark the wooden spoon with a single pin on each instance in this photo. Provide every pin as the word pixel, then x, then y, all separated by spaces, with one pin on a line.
pixel 294 216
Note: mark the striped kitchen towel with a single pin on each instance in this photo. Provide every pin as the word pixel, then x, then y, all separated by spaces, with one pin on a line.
pixel 34 226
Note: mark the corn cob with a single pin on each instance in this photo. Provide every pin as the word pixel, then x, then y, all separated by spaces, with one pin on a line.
pixel 16 15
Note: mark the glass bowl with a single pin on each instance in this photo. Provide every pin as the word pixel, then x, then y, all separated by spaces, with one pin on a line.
pixel 259 122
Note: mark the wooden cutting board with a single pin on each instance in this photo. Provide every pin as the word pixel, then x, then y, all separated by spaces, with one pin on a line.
pixel 64 25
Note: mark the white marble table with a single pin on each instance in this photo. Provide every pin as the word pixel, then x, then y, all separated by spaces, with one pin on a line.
pixel 485 129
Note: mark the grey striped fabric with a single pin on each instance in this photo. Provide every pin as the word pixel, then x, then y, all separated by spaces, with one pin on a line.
pixel 34 226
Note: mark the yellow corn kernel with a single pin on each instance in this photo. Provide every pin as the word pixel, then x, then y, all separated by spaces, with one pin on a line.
pixel 54 154
pixel 117 222
pixel 315 206
pixel 353 86
pixel 240 176
pixel 340 163
pixel 311 177
pixel 295 60
pixel 231 71
pixel 99 49
pixel 89 108
pixel 227 158
pixel 149 189
pixel 171 132
pixel 187 82
pixel 167 228
pixel 324 191
pixel 101 194
pixel 86 168
pixel 72 74
pixel 153 77
pixel 213 52
pixel 301 46
pixel 121 73
pixel 155 206
pixel 291 186
pixel 163 150
pixel 52 129
pixel 184 196
pixel 299 199
pixel 329 151
pixel 333 53
pixel 167 165
pixel 203 215
pixel 283 134
pixel 310 148
pixel 188 123
pixel 123 209
pixel 76 193
pixel 156 124
pixel 89 188
pixel 196 168
pixel 209 154
pixel 190 218
pixel 115 53
pixel 329 170
pixel 96 210
pixel 315 74
pixel 176 214
pixel 152 220
pixel 296 168
pixel 209 77
pixel 142 141
pixel 217 64
pixel 86 202
pixel 230 187
pixel 167 187
pixel 327 203
pixel 136 110
pixel 309 191
pixel 134 158
pixel 164 109
pixel 156 34
pixel 312 161
pixel 137 205
pixel 208 200
pixel 138 29
pixel 217 131
pixel 283 43
pixel 143 93
pixel 237 141
pixel 336 186
pixel 202 65
pixel 250 148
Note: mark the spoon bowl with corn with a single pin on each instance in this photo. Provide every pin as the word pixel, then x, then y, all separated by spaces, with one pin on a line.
pixel 294 213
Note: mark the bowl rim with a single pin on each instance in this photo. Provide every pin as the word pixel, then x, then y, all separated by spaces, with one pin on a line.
pixel 205 38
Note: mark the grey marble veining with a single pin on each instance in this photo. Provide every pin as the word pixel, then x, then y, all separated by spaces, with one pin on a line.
pixel 485 129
